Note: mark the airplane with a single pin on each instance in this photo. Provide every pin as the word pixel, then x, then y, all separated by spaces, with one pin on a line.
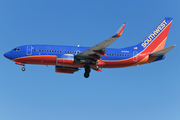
pixel 68 59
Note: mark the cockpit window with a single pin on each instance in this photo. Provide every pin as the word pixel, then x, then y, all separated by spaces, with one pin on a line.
pixel 16 49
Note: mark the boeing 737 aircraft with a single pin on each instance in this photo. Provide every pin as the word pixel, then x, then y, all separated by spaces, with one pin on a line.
pixel 68 59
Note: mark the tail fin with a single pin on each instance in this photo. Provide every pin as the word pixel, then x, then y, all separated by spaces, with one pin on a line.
pixel 157 38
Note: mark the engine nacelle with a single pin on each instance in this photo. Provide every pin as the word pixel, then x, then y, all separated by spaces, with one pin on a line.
pixel 66 59
pixel 70 70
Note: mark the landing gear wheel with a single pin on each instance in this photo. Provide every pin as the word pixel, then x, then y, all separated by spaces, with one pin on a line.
pixel 23 68
pixel 86 74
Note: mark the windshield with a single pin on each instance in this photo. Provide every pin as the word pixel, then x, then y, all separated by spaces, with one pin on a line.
pixel 16 49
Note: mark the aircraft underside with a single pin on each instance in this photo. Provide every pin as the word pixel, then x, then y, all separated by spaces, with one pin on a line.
pixel 70 66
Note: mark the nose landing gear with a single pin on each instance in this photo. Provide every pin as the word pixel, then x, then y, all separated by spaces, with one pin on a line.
pixel 19 63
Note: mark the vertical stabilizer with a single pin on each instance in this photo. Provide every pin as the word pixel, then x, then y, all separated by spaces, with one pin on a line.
pixel 157 38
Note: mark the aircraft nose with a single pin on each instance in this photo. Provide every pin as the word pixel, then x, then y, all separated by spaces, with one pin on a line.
pixel 8 55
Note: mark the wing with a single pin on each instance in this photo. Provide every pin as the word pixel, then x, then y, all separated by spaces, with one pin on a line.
pixel 96 52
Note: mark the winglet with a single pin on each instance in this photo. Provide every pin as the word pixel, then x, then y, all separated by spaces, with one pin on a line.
pixel 119 32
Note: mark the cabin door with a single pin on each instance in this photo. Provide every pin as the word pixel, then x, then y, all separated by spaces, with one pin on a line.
pixel 29 50
pixel 135 56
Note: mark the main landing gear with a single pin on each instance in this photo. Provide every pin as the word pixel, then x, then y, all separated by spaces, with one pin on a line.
pixel 87 71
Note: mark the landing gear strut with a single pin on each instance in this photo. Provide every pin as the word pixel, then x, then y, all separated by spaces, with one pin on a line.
pixel 87 71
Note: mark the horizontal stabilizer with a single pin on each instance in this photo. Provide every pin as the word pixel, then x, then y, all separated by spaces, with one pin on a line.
pixel 162 52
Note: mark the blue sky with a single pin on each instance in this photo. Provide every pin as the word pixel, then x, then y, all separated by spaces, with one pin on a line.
pixel 147 92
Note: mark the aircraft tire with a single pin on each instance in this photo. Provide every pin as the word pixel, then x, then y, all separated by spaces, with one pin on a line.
pixel 86 74
pixel 23 68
